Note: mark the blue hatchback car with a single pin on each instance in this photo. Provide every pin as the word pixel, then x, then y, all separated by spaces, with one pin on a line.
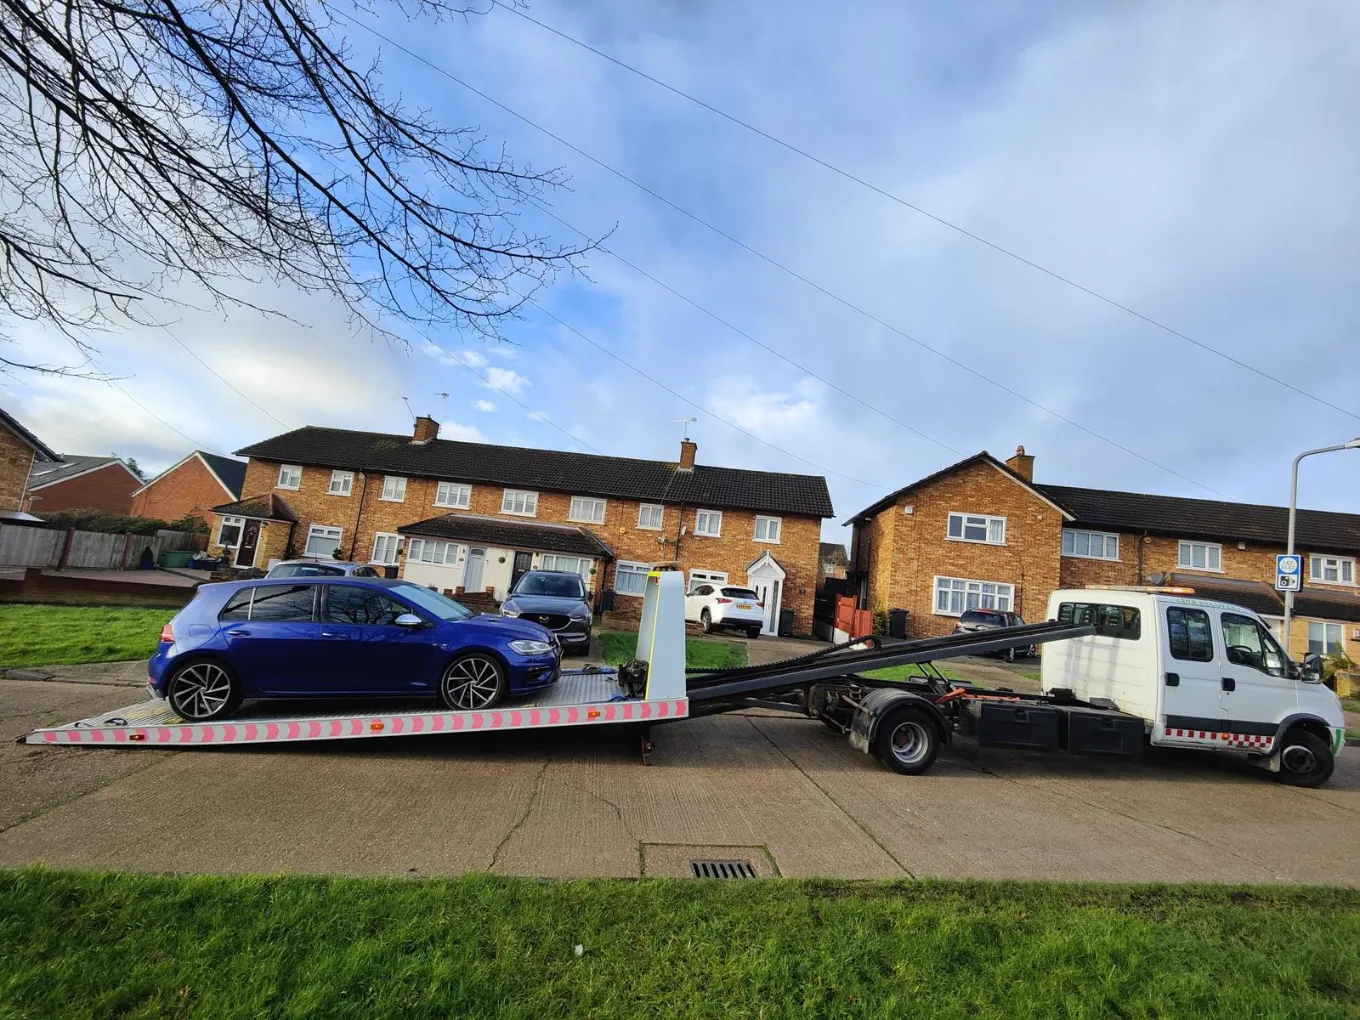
pixel 341 637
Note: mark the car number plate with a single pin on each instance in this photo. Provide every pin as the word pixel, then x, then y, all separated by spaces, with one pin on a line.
pixel 743 605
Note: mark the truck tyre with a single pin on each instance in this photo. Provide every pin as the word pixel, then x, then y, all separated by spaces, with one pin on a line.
pixel 907 741
pixel 1305 759
pixel 203 690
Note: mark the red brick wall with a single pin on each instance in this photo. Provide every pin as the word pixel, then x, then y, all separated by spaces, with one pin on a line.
pixel 188 489
pixel 16 458
pixel 108 488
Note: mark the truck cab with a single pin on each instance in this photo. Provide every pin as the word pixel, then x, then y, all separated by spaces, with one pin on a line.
pixel 1200 673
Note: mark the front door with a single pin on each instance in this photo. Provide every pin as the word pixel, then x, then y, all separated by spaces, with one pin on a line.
pixel 250 540
pixel 1192 682
pixel 768 590
pixel 523 561
pixel 363 651
pixel 472 571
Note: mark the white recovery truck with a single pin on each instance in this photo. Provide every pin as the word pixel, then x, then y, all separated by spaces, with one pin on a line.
pixel 1106 679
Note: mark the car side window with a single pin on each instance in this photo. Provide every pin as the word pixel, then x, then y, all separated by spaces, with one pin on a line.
pixel 1190 634
pixel 349 603
pixel 238 606
pixel 283 603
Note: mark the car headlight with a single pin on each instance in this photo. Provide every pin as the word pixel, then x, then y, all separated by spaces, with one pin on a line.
pixel 530 647
pixel 509 610
pixel 581 613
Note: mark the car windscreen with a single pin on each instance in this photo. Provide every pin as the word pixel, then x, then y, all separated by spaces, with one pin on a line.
pixel 740 593
pixel 432 602
pixel 305 570
pixel 982 616
pixel 563 586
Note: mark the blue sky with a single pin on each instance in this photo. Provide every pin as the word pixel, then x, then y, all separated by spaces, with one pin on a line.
pixel 1195 162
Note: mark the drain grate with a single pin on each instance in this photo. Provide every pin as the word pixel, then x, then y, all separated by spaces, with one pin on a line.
pixel 722 869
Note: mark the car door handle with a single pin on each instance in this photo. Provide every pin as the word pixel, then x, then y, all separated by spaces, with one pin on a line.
pixel 1229 684
pixel 337 635
pixel 238 632
pixel 1173 679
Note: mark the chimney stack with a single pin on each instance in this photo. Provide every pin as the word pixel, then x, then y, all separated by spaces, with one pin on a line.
pixel 688 448
pixel 426 429
pixel 1022 464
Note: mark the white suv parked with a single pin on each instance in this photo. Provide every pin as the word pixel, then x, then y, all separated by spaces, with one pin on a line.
pixel 723 605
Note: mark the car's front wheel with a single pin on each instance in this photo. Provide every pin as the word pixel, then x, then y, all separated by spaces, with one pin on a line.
pixel 473 682
pixel 203 691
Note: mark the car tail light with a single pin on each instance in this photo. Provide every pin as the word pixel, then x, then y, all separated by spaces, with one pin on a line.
pixel 168 634
pixel 760 605
pixel 722 602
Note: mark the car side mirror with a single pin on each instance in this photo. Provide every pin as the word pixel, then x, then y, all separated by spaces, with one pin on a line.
pixel 1312 668
pixel 409 620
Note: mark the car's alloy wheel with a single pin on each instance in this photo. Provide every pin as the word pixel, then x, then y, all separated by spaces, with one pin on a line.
pixel 202 691
pixel 706 622
pixel 472 683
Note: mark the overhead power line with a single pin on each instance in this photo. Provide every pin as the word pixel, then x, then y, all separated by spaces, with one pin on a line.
pixel 188 350
pixel 770 260
pixel 905 203
pixel 185 436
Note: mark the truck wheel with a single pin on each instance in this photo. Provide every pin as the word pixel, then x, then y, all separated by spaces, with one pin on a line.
pixel 706 622
pixel 1305 759
pixel 203 690
pixel 907 741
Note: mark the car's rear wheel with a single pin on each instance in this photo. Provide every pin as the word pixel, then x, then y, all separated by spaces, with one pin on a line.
pixel 1305 759
pixel 753 632
pixel 473 682
pixel 706 622
pixel 203 690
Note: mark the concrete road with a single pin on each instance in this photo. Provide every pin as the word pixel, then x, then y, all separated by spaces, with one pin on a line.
pixel 783 792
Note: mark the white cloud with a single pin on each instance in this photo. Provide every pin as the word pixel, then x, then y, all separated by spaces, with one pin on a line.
pixel 484 405
pixel 507 380
pixel 464 433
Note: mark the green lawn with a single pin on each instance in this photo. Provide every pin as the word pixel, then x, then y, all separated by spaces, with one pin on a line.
pixel 700 653
pixel 85 945
pixel 32 635
pixel 907 672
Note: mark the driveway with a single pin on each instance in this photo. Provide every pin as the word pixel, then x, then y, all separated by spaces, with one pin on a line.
pixel 783 792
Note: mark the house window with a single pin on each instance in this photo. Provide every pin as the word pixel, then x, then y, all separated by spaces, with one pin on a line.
pixel 631 578
pixel 1331 569
pixel 229 534
pixel 519 502
pixel 385 549
pixel 1324 638
pixel 1091 545
pixel 322 540
pixel 698 577
pixel 342 483
pixel 767 529
pixel 394 489
pixel 977 528
pixel 426 550
pixel 583 508
pixel 290 476
pixel 575 564
pixel 649 516
pixel 1201 556
pixel 956 595
pixel 453 494
pixel 708 522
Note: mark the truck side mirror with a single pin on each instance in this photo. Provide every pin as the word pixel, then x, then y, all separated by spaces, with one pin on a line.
pixel 1312 668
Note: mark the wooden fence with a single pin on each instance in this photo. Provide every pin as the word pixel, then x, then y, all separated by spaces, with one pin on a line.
pixel 69 549
pixel 30 547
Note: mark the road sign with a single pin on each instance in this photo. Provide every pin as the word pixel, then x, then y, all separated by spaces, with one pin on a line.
pixel 1288 572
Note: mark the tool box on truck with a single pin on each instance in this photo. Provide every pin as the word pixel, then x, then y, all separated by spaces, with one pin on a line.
pixel 1007 724
pixel 1092 731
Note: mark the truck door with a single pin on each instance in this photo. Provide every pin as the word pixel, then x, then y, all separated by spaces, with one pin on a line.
pixel 1191 683
pixel 1257 692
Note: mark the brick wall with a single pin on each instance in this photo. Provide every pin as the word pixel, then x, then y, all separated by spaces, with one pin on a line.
pixel 16 458
pixel 363 514
pixel 189 488
pixel 108 488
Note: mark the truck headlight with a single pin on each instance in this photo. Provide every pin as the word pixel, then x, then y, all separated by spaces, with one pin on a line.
pixel 528 646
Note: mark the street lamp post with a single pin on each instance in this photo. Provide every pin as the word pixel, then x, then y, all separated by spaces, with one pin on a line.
pixel 1293 510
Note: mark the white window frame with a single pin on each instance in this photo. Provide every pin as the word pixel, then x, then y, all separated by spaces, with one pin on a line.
pixel 289 470
pixel 778 523
pixel 631 569
pixel 574 515
pixel 400 490
pixel 508 498
pixel 661 513
pixel 450 488
pixel 1326 625
pixel 394 544
pixel 1104 537
pixel 987 522
pixel 705 577
pixel 980 591
pixel 1186 543
pixel 711 515
pixel 1342 564
pixel 415 551
pixel 346 480
pixel 240 523
pixel 551 561
pixel 339 537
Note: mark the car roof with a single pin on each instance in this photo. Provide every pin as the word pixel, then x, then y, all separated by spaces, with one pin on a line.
pixel 315 579
pixel 565 573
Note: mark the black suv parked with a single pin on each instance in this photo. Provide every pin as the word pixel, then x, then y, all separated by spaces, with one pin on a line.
pixel 556 599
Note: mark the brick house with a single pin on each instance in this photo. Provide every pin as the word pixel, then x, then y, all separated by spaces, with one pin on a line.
pixel 20 449
pixel 81 483
pixel 983 533
pixel 193 486
pixel 475 516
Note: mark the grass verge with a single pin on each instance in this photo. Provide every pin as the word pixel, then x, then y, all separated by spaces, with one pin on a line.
pixel 35 635
pixel 700 653
pixel 76 944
